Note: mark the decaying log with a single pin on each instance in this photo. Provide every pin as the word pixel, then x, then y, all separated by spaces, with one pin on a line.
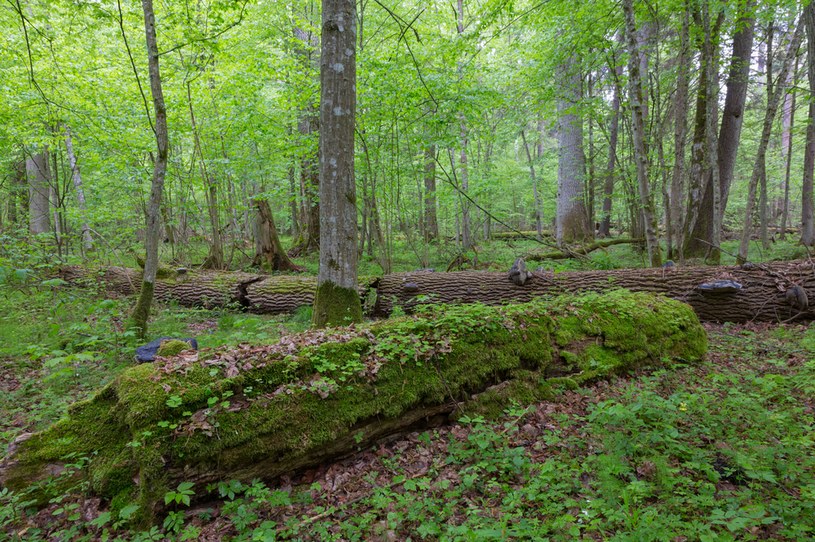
pixel 577 251
pixel 762 296
pixel 262 411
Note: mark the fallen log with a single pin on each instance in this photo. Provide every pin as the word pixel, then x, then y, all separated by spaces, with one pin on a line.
pixel 262 294
pixel 766 292
pixel 577 251
pixel 264 411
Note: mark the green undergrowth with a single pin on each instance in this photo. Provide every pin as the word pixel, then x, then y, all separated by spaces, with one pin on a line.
pixel 245 413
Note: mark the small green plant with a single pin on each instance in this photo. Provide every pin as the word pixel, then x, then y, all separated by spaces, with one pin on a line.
pixel 181 494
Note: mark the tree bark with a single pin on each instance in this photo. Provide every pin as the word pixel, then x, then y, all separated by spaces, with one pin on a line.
pixel 638 131
pixel 337 301
pixel 141 313
pixel 38 172
pixel 674 222
pixel 762 297
pixel 270 253
pixel 613 133
pixel 431 222
pixel 87 240
pixel 807 199
pixel 571 220
pixel 773 101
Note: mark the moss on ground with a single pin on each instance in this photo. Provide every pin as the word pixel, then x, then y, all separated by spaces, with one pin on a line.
pixel 336 306
pixel 230 411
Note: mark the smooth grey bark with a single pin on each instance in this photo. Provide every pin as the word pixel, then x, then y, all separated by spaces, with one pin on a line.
pixel 773 100
pixel 153 226
pixel 87 240
pixel 466 234
pixel 807 203
pixel 786 149
pixel 337 300
pixel 571 218
pixel 637 106
pixel 38 173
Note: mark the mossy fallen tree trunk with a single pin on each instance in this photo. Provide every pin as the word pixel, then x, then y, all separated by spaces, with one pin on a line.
pixel 578 251
pixel 772 292
pixel 269 410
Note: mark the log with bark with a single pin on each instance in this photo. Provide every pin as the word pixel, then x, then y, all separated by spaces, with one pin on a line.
pixel 764 294
pixel 574 252
pixel 262 411
pixel 764 291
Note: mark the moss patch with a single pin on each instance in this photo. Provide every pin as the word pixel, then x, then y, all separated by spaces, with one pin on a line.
pixel 260 411
pixel 336 306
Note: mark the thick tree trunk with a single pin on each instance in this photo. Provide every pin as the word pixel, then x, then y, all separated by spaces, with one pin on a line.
pixel 141 313
pixel 38 172
pixel 337 300
pixel 638 132
pixel 807 199
pixel 270 254
pixel 303 411
pixel 571 221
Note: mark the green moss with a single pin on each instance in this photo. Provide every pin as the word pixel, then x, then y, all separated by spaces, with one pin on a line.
pixel 338 383
pixel 336 306
pixel 172 348
pixel 138 320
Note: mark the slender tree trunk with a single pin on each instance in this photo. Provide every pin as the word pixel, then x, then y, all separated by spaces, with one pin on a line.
pixel 773 100
pixel 675 223
pixel 613 131
pixel 466 234
pixel 789 115
pixel 571 224
pixel 638 131
pixel 87 241
pixel 38 172
pixel 807 203
pixel 535 193
pixel 215 259
pixel 153 230
pixel 337 300
pixel 431 222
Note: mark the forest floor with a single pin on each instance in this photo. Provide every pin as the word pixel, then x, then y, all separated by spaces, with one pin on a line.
pixel 722 450
pixel 715 451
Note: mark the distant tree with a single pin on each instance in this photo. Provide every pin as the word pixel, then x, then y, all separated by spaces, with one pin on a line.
pixel 807 204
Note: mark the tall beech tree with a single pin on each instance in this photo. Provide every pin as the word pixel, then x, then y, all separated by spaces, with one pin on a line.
pixel 337 299
pixel 153 230
pixel 807 199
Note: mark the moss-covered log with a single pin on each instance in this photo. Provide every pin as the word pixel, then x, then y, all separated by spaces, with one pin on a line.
pixel 772 292
pixel 578 251
pixel 268 410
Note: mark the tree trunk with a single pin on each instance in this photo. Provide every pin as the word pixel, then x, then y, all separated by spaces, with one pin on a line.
pixel 807 200
pixel 571 220
pixel 141 313
pixel 674 222
pixel 337 300
pixel 773 101
pixel 315 396
pixel 535 193
pixel 431 222
pixel 638 132
pixel 87 241
pixel 270 254
pixel 38 172
pixel 786 149
pixel 613 131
